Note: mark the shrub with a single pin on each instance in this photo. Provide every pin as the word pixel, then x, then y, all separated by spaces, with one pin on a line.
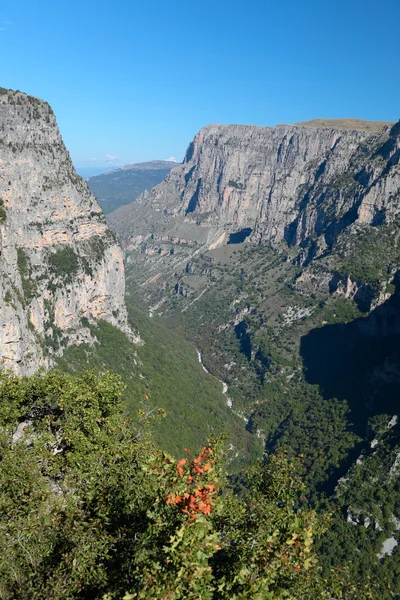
pixel 235 184
pixel 64 263
pixel 3 214
pixel 29 287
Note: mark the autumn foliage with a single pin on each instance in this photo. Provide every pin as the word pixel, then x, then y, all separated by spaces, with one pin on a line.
pixel 199 497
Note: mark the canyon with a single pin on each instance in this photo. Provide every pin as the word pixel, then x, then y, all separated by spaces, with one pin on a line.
pixel 276 251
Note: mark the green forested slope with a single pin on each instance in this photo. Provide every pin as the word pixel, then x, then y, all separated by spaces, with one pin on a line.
pixel 165 372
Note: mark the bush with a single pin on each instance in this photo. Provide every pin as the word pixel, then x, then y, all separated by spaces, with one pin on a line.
pixel 64 263
pixel 28 285
pixel 3 214
pixel 235 184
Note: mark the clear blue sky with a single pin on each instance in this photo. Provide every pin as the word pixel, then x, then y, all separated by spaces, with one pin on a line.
pixel 136 80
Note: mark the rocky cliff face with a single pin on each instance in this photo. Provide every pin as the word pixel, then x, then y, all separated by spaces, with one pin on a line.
pixel 60 267
pixel 289 183
pixel 314 192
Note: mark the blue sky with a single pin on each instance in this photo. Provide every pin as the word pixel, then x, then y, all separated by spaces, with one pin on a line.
pixel 133 81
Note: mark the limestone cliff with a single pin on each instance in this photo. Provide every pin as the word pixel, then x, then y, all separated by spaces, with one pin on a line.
pixel 308 190
pixel 292 183
pixel 60 267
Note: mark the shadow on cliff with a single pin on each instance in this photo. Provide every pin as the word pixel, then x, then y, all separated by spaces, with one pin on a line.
pixel 358 361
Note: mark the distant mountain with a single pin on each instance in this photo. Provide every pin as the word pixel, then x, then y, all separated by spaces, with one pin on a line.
pixel 87 172
pixel 122 186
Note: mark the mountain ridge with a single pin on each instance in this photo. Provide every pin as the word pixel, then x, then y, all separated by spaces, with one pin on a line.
pixel 346 124
pixel 239 176
pixel 146 165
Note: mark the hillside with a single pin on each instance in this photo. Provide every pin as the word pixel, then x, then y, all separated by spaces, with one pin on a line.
pixel 165 372
pixel 124 185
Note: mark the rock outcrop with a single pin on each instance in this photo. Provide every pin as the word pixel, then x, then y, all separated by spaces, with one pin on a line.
pixel 60 267
pixel 291 183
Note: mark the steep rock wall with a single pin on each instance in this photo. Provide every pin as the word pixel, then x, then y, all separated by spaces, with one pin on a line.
pixel 287 183
pixel 60 267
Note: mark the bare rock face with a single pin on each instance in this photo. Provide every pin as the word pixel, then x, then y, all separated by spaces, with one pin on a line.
pixel 60 267
pixel 289 183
